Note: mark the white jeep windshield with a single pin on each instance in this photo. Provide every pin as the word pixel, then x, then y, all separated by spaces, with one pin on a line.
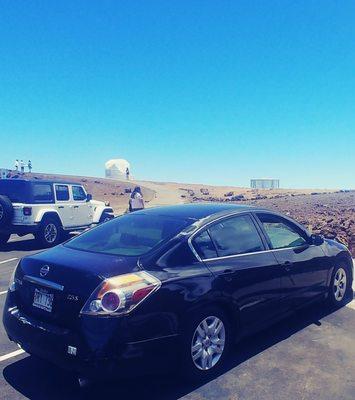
pixel 129 235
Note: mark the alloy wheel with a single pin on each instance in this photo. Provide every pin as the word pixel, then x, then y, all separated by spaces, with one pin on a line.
pixel 339 285
pixel 208 343
pixel 50 233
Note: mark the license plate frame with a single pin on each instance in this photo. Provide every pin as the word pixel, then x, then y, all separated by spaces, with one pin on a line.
pixel 43 300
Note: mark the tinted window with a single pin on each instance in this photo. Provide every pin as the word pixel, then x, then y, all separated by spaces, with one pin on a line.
pixel 178 256
pixel 281 232
pixel 203 245
pixel 78 193
pixel 129 235
pixel 42 193
pixel 62 192
pixel 16 191
pixel 236 235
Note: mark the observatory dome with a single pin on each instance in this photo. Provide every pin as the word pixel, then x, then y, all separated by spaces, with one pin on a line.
pixel 116 168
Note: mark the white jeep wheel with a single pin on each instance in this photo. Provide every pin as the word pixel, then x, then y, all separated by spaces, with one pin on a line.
pixel 50 233
pixel 105 218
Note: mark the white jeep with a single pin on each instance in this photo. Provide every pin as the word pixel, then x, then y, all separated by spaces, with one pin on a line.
pixel 48 209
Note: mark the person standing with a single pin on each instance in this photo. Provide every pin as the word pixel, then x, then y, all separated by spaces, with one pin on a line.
pixel 22 166
pixel 136 202
pixel 127 174
pixel 29 166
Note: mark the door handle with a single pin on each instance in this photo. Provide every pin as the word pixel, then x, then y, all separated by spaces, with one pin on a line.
pixel 76 206
pixel 60 206
pixel 228 271
pixel 287 265
pixel 227 274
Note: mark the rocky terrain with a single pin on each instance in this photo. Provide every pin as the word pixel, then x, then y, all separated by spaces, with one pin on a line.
pixel 331 214
pixel 328 212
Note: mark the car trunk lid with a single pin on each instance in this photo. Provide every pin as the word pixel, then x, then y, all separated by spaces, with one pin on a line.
pixel 55 284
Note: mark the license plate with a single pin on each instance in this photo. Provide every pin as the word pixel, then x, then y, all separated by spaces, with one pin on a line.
pixel 43 300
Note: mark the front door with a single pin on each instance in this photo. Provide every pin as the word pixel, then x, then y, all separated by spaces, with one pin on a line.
pixel 234 251
pixel 63 204
pixel 82 209
pixel 304 264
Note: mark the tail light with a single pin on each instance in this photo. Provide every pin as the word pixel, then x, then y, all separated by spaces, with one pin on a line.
pixel 121 294
pixel 27 211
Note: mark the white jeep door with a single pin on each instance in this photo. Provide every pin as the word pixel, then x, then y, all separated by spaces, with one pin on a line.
pixel 82 209
pixel 63 204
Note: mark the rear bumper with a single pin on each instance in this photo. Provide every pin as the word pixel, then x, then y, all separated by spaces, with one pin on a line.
pixel 99 356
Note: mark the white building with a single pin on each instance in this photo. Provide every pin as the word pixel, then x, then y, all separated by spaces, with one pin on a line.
pixel 116 169
pixel 265 183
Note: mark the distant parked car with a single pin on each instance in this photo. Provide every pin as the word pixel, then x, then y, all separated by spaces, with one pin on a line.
pixel 48 209
pixel 169 286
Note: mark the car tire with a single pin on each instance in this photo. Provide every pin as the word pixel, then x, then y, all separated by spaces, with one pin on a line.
pixel 85 384
pixel 340 285
pixel 4 237
pixel 105 217
pixel 6 211
pixel 50 232
pixel 205 344
pixel 66 235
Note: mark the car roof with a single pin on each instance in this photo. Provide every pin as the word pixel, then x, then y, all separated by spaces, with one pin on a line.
pixel 198 211
pixel 42 181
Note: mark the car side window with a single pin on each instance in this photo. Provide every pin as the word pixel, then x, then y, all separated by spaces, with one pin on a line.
pixel 78 193
pixel 204 246
pixel 282 233
pixel 42 193
pixel 237 235
pixel 62 192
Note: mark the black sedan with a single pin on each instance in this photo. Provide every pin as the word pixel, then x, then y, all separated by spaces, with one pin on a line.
pixel 167 287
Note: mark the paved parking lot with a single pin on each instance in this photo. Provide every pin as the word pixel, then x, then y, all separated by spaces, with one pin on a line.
pixel 308 356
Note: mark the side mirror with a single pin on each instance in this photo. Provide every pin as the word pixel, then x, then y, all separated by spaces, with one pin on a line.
pixel 317 240
pixel 88 197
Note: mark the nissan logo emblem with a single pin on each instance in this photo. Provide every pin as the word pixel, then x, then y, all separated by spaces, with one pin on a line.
pixel 44 270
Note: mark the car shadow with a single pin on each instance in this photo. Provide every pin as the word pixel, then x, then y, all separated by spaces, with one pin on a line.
pixel 25 244
pixel 36 380
pixel 28 243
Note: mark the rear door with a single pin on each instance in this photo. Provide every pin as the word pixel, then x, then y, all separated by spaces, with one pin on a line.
pixel 304 264
pixel 247 272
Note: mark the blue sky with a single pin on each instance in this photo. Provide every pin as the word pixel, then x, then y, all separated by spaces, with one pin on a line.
pixel 193 91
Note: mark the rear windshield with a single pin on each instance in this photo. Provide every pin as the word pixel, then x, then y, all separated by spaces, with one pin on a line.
pixel 129 235
pixel 16 191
